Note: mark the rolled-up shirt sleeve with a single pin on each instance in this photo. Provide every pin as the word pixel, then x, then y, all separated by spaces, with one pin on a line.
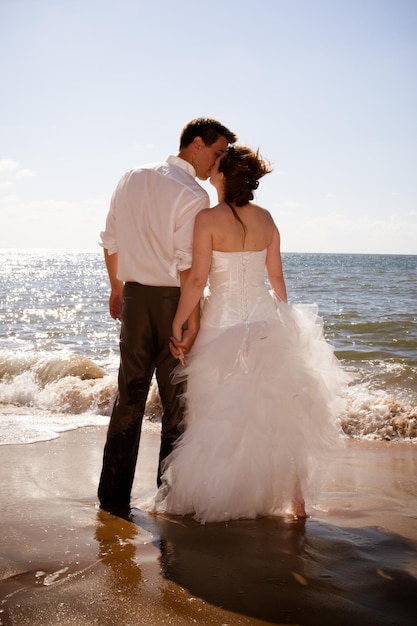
pixel 182 262
pixel 183 237
pixel 108 236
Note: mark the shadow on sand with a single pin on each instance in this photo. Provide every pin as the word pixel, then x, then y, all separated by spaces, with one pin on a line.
pixel 281 571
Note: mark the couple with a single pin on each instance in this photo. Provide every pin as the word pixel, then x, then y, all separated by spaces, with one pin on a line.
pixel 258 391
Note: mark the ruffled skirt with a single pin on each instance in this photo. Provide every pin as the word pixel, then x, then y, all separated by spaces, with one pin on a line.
pixel 262 402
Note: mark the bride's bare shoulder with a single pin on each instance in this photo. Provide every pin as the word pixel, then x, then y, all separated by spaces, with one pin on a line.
pixel 203 215
pixel 261 214
pixel 222 207
pixel 264 212
pixel 207 219
pixel 213 213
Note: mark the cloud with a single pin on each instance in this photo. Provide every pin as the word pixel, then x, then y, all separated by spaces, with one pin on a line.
pixel 9 200
pixel 52 223
pixel 24 173
pixel 11 171
pixel 289 204
pixel 67 224
pixel 337 232
pixel 8 166
pixel 143 146
pixel 7 184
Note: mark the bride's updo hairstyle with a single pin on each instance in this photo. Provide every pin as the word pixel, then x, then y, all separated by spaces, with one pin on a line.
pixel 242 169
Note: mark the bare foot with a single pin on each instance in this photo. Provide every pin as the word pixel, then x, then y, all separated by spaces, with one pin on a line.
pixel 298 508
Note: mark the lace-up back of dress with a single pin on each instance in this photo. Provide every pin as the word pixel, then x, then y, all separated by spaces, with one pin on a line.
pixel 237 288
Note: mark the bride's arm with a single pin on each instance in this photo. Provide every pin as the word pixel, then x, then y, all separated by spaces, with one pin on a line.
pixel 196 280
pixel 274 266
pixel 180 348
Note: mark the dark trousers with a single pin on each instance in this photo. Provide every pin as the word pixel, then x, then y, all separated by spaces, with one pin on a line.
pixel 147 314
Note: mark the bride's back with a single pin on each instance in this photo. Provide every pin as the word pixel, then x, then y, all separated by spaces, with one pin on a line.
pixel 229 234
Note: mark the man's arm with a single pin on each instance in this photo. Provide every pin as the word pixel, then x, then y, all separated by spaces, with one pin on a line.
pixel 115 300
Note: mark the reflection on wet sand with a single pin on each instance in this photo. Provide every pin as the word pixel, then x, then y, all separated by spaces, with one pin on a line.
pixel 283 571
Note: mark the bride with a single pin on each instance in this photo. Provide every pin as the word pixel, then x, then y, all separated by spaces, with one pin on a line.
pixel 262 383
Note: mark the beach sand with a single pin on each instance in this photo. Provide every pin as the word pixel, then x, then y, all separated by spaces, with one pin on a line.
pixel 352 562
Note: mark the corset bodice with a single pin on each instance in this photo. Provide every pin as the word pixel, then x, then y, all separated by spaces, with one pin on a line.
pixel 237 292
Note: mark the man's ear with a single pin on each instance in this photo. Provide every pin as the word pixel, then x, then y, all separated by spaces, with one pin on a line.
pixel 197 144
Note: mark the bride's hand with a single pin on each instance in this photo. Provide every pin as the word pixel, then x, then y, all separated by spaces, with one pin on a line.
pixel 177 350
pixel 180 348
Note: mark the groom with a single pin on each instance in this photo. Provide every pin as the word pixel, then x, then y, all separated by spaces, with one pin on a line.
pixel 147 245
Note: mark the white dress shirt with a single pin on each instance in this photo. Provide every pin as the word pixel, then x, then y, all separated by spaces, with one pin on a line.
pixel 151 219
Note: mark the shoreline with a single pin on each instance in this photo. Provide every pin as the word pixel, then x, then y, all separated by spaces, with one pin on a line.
pixel 63 561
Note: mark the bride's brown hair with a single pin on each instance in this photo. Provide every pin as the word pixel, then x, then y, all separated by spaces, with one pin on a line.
pixel 242 169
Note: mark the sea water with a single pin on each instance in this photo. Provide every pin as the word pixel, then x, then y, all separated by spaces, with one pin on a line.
pixel 59 350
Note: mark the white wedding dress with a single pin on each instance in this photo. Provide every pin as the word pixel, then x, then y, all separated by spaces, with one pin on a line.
pixel 262 400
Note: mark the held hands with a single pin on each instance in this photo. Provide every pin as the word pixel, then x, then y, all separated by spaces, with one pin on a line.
pixel 181 344
pixel 177 350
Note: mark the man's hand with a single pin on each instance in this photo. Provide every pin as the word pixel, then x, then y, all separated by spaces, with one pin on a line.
pixel 188 338
pixel 176 350
pixel 115 300
pixel 115 303
pixel 180 348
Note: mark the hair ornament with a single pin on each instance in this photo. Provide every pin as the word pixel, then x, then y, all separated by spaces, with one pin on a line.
pixel 253 184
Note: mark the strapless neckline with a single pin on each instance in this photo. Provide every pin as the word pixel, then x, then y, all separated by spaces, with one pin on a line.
pixel 239 251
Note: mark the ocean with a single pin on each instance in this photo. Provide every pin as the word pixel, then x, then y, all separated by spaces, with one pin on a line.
pixel 59 351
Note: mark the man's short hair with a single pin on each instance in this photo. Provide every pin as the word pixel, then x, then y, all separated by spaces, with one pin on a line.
pixel 208 129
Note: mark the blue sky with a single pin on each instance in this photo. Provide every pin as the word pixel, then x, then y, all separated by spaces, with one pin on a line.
pixel 325 88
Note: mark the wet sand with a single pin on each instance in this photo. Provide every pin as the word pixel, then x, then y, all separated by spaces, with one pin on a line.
pixel 352 562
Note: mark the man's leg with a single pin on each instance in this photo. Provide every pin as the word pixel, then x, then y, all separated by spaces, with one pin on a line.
pixel 137 356
pixel 169 393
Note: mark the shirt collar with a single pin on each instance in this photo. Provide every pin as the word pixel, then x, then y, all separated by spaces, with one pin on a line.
pixel 174 160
